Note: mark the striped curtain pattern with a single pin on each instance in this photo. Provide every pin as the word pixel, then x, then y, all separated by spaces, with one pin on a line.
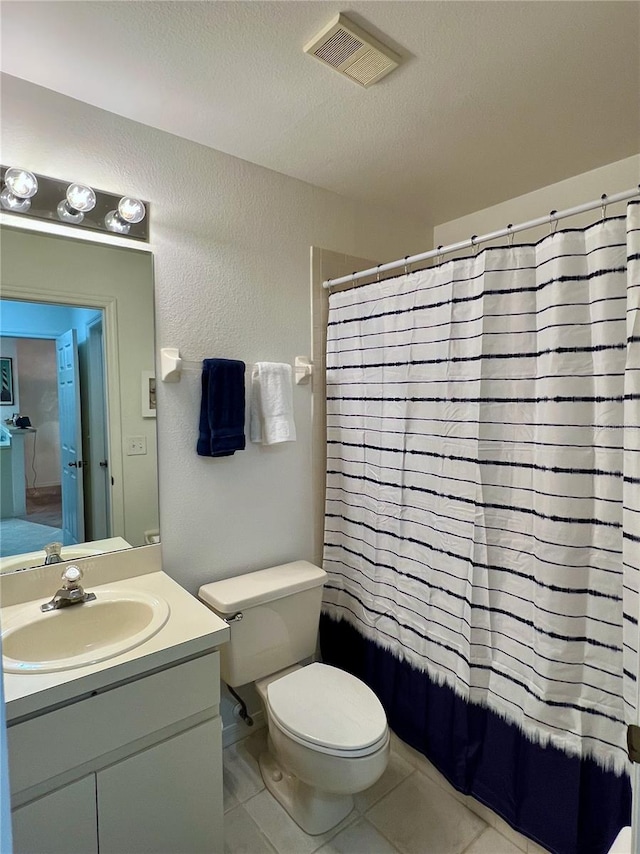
pixel 483 470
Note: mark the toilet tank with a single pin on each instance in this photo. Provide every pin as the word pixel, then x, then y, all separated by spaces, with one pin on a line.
pixel 280 609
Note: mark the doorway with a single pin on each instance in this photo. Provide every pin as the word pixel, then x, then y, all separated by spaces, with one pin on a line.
pixel 59 385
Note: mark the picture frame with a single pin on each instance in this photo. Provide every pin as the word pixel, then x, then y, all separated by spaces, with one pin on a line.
pixel 148 394
pixel 7 397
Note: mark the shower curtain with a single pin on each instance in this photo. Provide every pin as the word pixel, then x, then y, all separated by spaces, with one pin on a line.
pixel 483 520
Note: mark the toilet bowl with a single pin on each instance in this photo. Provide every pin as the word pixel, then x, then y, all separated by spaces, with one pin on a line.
pixel 328 739
pixel 328 734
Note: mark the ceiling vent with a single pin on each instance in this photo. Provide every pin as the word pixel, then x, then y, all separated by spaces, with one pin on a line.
pixel 350 50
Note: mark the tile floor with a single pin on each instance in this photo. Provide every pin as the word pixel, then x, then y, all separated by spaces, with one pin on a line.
pixel 405 812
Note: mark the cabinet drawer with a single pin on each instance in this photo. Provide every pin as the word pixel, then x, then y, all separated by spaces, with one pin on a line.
pixel 58 741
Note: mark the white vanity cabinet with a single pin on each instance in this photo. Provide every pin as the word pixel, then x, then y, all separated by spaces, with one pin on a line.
pixel 133 768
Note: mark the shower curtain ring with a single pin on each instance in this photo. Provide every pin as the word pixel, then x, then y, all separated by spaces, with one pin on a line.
pixel 604 205
pixel 378 273
pixel 439 255
pixel 474 245
pixel 553 222
pixel 406 267
pixel 510 238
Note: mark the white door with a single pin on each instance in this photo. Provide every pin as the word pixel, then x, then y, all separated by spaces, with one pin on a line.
pixel 70 438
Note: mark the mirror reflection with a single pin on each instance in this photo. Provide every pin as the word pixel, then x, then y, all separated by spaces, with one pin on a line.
pixel 77 399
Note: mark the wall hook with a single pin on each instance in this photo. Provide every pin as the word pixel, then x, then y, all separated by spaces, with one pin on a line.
pixel 170 365
pixel 303 369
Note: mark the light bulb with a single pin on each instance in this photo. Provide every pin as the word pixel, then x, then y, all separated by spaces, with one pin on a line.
pixel 131 210
pixel 114 222
pixel 22 184
pixel 68 214
pixel 12 203
pixel 81 198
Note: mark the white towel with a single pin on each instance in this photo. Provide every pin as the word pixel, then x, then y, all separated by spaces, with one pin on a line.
pixel 271 412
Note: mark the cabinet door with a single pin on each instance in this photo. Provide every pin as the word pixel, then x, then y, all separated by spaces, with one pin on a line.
pixel 63 822
pixel 166 799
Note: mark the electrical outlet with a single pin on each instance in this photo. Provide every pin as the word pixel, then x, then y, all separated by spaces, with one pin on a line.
pixel 136 445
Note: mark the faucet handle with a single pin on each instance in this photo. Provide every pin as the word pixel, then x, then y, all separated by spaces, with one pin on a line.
pixel 53 553
pixel 71 576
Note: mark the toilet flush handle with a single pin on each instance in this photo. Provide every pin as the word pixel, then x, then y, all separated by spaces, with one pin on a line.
pixel 235 618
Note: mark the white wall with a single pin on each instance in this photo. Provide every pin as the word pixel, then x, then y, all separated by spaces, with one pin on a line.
pixel 610 179
pixel 231 246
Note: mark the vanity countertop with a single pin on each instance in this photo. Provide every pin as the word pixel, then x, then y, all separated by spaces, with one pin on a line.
pixel 25 560
pixel 191 630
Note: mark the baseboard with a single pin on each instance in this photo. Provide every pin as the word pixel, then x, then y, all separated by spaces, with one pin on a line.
pixel 234 732
pixel 49 488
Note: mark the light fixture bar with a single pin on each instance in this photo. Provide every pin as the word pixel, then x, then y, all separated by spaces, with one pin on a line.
pixel 74 205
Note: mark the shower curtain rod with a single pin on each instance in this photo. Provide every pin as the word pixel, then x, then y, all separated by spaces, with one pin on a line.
pixel 552 217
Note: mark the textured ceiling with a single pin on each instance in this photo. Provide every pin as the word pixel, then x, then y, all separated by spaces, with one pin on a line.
pixel 493 99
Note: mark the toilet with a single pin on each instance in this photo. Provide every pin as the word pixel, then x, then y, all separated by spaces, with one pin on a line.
pixel 328 733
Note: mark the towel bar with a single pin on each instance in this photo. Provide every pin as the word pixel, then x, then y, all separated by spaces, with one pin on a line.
pixel 172 365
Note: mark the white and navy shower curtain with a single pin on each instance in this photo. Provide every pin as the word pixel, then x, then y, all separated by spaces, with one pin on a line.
pixel 482 530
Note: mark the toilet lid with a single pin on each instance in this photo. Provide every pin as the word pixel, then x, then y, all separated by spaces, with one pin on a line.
pixel 327 707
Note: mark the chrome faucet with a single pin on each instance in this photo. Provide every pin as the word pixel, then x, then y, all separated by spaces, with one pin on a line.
pixel 71 593
pixel 52 552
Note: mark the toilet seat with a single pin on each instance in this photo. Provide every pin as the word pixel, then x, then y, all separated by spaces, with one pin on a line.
pixel 328 710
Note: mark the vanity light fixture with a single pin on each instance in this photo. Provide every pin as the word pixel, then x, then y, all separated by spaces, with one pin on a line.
pixel 20 187
pixel 72 204
pixel 114 222
pixel 79 200
pixel 130 211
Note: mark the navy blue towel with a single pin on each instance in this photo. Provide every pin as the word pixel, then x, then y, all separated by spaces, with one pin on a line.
pixel 222 408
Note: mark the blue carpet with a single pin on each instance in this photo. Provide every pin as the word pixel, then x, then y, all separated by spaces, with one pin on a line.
pixel 18 536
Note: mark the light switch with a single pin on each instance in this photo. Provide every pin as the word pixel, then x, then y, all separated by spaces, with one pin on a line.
pixel 136 445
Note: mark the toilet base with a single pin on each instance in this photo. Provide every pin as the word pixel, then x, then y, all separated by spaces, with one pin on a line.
pixel 313 810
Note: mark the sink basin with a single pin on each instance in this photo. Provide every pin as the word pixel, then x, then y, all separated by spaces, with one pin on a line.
pixel 116 621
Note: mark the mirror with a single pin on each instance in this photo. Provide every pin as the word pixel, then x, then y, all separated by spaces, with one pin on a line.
pixel 78 450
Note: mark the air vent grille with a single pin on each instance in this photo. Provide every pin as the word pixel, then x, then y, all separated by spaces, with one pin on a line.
pixel 371 64
pixel 347 48
pixel 338 49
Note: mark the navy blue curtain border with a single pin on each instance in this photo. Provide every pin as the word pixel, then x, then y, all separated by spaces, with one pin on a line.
pixel 566 804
